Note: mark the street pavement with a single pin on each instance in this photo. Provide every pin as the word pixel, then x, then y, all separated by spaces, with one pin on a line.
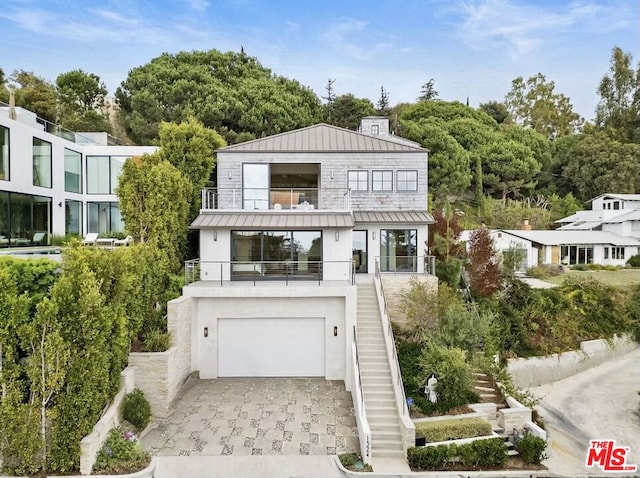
pixel 601 403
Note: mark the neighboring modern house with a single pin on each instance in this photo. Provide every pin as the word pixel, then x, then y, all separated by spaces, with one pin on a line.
pixel 54 181
pixel 608 234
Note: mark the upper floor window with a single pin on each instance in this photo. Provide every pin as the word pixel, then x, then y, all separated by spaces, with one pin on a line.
pixel 358 180
pixel 41 163
pixel 4 153
pixel 382 180
pixel 375 129
pixel 407 181
pixel 103 173
pixel 616 205
pixel 72 171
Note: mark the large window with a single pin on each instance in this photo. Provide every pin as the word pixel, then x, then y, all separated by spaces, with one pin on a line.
pixel 104 217
pixel 276 254
pixel 255 186
pixel 25 220
pixel 73 217
pixel 382 181
pixel 4 153
pixel 398 250
pixel 407 180
pixel 72 171
pixel 103 173
pixel 576 254
pixel 358 180
pixel 41 163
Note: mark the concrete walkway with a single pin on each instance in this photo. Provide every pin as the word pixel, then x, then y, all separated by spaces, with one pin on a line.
pixel 257 416
pixel 599 403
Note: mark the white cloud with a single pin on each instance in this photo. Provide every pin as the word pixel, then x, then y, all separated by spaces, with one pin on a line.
pixel 199 5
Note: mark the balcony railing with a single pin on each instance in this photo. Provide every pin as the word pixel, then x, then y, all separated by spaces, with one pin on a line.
pixel 264 271
pixel 399 264
pixel 291 199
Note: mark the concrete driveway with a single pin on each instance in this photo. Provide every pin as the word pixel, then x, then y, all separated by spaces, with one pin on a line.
pixel 257 416
pixel 601 403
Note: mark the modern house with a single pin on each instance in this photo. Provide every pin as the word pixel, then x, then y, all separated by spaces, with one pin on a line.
pixel 608 234
pixel 290 241
pixel 54 181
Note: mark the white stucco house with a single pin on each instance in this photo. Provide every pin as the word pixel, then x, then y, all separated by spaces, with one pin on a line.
pixel 55 181
pixel 607 234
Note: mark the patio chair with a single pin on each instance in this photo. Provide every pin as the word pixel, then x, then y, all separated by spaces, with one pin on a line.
pixel 39 238
pixel 90 239
pixel 123 242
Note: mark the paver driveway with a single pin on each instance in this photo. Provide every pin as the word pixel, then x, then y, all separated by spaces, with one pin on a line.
pixel 258 416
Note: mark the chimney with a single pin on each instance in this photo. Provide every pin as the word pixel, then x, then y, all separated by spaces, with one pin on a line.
pixel 525 225
pixel 12 104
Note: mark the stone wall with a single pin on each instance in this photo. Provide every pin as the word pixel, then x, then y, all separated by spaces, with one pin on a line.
pixel 534 371
pixel 161 374
pixel 91 444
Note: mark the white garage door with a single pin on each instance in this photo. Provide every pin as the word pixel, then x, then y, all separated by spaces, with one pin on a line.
pixel 271 347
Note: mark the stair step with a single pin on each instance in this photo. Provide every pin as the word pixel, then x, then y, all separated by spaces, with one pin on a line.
pixel 387 445
pixel 388 454
pixel 485 389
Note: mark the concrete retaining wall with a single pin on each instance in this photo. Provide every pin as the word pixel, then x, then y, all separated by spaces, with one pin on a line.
pixel 161 374
pixel 91 444
pixel 534 371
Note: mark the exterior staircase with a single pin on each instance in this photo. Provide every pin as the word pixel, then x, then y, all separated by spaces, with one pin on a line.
pixel 379 398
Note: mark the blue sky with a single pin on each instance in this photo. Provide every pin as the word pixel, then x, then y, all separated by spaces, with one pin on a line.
pixel 471 48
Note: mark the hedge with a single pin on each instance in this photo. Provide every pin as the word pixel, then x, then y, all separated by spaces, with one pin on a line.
pixel 490 453
pixel 454 429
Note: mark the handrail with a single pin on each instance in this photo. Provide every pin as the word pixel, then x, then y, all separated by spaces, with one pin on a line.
pixel 285 199
pixel 410 264
pixel 361 416
pixel 259 271
pixel 402 409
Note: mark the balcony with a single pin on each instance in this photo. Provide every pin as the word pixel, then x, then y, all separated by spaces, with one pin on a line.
pixel 278 199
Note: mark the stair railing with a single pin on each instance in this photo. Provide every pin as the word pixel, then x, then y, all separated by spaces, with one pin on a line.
pixel 364 432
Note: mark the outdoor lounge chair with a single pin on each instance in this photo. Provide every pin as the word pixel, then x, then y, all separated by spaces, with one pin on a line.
pixel 123 242
pixel 90 239
pixel 39 238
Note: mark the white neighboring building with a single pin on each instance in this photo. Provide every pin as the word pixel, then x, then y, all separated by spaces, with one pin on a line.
pixel 54 181
pixel 608 234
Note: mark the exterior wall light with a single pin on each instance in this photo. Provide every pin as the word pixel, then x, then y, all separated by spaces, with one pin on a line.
pixel 335 331
pixel 206 331
pixel 215 235
pixel 373 235
pixel 337 236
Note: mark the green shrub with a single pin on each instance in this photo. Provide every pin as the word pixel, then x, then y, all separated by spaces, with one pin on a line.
pixel 543 271
pixel 579 267
pixel 136 409
pixel 610 267
pixel 634 261
pixel 453 429
pixel 156 341
pixel 121 453
pixel 531 449
pixel 490 453
pixel 450 367
pixel 353 462
pixel 594 267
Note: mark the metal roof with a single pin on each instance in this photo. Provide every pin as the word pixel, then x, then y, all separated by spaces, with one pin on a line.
pixel 410 217
pixel 633 215
pixel 555 238
pixel 624 197
pixel 586 215
pixel 251 220
pixel 322 138
pixel 581 226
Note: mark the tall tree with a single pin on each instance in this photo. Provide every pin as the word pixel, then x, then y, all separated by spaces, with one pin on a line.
pixel 331 94
pixel 229 92
pixel 4 92
pixel 498 111
pixel 346 111
pixel 35 94
pixel 154 204
pixel 428 91
pixel 600 164
pixel 535 104
pixel 383 102
pixel 80 99
pixel 484 266
pixel 619 90
pixel 509 167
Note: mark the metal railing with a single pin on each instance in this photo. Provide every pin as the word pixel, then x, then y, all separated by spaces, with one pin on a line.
pixel 404 264
pixel 287 199
pixel 403 408
pixel 361 414
pixel 261 271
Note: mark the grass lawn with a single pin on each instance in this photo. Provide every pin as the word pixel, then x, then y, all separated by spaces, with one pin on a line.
pixel 622 277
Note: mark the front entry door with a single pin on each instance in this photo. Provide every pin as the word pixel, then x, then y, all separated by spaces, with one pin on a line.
pixel 359 250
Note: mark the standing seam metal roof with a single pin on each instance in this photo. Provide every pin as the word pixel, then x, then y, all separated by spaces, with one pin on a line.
pixel 273 220
pixel 322 138
pixel 411 217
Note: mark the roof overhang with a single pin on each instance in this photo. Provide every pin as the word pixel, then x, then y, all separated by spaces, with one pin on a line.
pixel 392 217
pixel 268 219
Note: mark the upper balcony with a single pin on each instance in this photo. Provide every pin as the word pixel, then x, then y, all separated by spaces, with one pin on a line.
pixel 292 199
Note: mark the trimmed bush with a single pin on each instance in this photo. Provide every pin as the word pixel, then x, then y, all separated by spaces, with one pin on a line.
pixel 121 453
pixel 490 453
pixel 136 409
pixel 443 430
pixel 543 271
pixel 634 261
pixel 531 449
pixel 579 267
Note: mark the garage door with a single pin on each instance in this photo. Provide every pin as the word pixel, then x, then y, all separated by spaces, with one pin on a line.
pixel 272 347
